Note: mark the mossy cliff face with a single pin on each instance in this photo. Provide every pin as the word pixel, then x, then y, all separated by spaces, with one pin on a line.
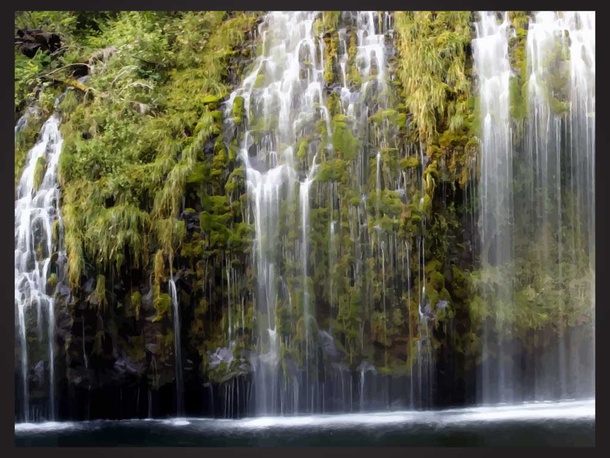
pixel 153 190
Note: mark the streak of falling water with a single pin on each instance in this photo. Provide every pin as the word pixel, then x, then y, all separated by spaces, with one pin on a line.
pixel 581 27
pixel 229 294
pixel 177 349
pixel 36 211
pixel 385 315
pixel 496 208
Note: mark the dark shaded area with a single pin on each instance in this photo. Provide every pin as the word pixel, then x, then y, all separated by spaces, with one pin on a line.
pixel 30 41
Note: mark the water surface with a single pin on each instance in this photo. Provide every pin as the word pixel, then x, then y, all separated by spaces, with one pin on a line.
pixel 564 424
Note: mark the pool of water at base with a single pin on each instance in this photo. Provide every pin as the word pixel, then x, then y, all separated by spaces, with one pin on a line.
pixel 563 424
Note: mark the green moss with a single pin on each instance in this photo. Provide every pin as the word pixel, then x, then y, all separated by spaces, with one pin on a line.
pixel 162 304
pixel 330 20
pixel 260 81
pixel 518 100
pixel 211 100
pixel 39 171
pixel 238 110
pixel 302 151
pixel 392 116
pixel 136 303
pixel 52 283
pixel 410 162
pixel 99 295
pixel 519 19
pixel 55 232
pixel 437 281
pixel 432 65
pixel 343 140
pixel 334 170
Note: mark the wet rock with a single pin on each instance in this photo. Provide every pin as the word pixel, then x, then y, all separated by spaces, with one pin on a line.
pixel 334 88
pixel 88 286
pixel 222 354
pixel 63 324
pixel 329 348
pixel 258 165
pixel 125 366
pixel 208 147
pixel 229 129
pixel 147 301
pixel 37 374
pixel 63 290
pixel 441 305
pixel 427 310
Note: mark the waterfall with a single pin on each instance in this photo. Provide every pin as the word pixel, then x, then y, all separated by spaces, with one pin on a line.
pixel 375 176
pixel 285 134
pixel 495 188
pixel 361 185
pixel 282 99
pixel 560 152
pixel 38 255
pixel 537 208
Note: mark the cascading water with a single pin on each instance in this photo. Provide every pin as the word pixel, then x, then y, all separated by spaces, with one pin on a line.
pixel 560 152
pixel 282 99
pixel 375 177
pixel 287 133
pixel 537 208
pixel 581 27
pixel 38 257
pixel 495 188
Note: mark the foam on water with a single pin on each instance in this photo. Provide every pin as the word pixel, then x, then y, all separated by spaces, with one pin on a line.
pixel 537 411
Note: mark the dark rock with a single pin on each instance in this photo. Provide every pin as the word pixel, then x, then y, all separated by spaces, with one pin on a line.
pixel 125 366
pixel 63 324
pixel 329 348
pixel 228 129
pixel 252 152
pixel 30 41
pixel 208 147
pixel 38 372
pixel 63 290
pixel 427 310
pixel 88 286
pixel 191 221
